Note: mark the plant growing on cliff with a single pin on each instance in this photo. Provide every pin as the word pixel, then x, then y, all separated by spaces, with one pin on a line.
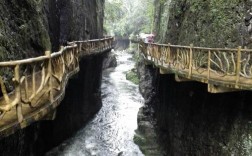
pixel 125 17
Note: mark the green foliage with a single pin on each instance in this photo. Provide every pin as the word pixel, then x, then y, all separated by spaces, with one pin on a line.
pixel 139 140
pixel 132 76
pixel 125 17
pixel 22 29
pixel 214 23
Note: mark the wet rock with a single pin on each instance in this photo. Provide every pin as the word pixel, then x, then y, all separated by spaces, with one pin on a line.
pixel 122 43
pixel 145 136
pixel 204 23
pixel 110 61
pixel 27 29
pixel 146 80
pixel 132 76
pixel 120 154
pixel 191 121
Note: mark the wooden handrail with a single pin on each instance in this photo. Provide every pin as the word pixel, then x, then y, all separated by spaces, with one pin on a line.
pixel 44 76
pixel 201 48
pixel 219 66
pixel 55 54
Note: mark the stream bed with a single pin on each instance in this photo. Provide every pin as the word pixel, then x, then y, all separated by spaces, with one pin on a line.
pixel 111 131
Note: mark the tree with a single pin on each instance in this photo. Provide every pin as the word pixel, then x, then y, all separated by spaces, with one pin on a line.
pixel 125 17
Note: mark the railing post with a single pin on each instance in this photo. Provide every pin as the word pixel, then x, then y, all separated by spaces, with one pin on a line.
pixel 208 65
pixel 168 57
pixel 5 93
pixel 190 61
pixel 79 47
pixel 156 54
pixel 238 66
pixel 18 93
pixel 177 59
pixel 49 70
pixel 61 48
pixel 151 51
pixel 33 80
pixel 161 56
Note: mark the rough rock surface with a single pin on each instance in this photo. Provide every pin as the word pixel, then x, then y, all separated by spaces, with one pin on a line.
pixel 191 121
pixel 22 29
pixel 28 28
pixel 146 135
pixel 110 61
pixel 212 23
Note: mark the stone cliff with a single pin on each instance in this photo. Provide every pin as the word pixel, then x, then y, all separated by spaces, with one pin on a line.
pixel 213 23
pixel 27 29
pixel 189 120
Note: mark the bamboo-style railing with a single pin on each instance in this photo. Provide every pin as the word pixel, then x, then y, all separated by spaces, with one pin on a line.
pixel 225 67
pixel 39 82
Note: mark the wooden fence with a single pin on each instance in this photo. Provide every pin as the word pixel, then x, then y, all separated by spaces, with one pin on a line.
pixel 226 67
pixel 36 83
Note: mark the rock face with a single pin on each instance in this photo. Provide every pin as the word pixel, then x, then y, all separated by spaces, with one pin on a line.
pixel 73 20
pixel 213 23
pixel 146 136
pixel 81 102
pixel 191 121
pixel 22 29
pixel 122 43
pixel 28 28
pixel 110 61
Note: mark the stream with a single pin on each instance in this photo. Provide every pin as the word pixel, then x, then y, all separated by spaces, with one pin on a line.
pixel 111 131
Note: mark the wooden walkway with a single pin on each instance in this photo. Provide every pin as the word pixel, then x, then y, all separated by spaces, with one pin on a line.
pixel 223 69
pixel 39 83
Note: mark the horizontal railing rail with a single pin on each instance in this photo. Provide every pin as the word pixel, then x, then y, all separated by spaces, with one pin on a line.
pixel 29 83
pixel 219 66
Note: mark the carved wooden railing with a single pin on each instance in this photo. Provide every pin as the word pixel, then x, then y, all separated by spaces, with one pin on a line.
pixel 230 68
pixel 40 82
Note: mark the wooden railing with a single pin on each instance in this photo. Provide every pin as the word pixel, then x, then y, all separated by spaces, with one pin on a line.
pixel 231 68
pixel 40 82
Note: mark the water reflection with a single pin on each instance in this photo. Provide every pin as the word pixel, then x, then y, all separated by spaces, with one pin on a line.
pixel 111 132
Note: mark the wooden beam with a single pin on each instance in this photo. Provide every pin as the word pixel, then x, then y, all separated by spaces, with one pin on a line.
pixel 220 89
pixel 51 115
pixel 181 79
pixel 164 71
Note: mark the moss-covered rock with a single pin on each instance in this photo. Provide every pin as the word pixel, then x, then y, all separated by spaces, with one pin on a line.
pixel 132 76
pixel 190 120
pixel 145 136
pixel 23 33
pixel 213 23
pixel 27 29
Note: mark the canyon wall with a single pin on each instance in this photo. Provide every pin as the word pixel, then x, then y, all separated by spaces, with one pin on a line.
pixel 213 23
pixel 27 29
pixel 189 120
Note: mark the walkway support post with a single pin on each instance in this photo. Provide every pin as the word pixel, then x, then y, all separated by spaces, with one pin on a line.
pixel 238 66
pixel 18 93
pixel 208 65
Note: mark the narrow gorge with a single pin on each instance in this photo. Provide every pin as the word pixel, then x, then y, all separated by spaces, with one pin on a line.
pixel 30 27
pixel 139 77
pixel 189 120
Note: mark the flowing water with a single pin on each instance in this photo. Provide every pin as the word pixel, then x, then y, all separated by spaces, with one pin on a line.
pixel 111 131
